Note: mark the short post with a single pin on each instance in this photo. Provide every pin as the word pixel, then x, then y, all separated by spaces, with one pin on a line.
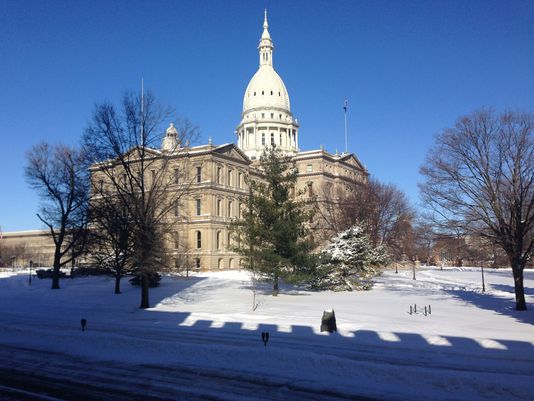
pixel 411 309
pixel 414 308
pixel 328 321
pixel 425 310
pixel 413 269
pixel 483 282
pixel 396 268
pixel 84 323
pixel 429 310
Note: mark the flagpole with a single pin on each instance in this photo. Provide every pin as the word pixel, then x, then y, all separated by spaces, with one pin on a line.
pixel 346 104
pixel 142 111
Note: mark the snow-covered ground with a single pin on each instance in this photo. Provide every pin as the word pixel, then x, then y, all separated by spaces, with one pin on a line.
pixel 473 345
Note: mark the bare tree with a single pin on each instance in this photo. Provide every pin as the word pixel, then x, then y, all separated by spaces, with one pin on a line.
pixel 145 183
pixel 481 172
pixel 59 174
pixel 382 210
pixel 111 245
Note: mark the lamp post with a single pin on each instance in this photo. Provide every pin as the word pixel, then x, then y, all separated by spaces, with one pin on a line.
pixel 31 264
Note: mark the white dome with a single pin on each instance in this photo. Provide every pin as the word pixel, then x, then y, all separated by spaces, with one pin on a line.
pixel 266 90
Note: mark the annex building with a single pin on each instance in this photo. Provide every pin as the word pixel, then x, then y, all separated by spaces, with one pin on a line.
pixel 201 238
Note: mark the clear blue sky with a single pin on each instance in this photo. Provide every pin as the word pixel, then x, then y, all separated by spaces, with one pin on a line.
pixel 409 69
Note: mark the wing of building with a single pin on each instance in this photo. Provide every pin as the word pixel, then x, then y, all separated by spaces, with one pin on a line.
pixel 201 238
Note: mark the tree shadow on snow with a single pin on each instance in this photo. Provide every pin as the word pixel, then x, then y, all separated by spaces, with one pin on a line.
pixel 500 305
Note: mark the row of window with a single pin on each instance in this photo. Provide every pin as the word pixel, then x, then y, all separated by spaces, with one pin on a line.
pixel 272 93
pixel 220 263
pixel 218 240
pixel 272 138
pixel 229 177
pixel 198 208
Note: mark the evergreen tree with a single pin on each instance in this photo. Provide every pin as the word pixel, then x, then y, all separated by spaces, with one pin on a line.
pixel 272 234
pixel 349 262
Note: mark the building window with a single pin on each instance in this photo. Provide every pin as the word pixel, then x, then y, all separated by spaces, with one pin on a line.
pixel 280 139
pixel 219 203
pixel 263 138
pixel 153 173
pixel 309 168
pixel 220 263
pixel 198 207
pixel 310 189
pixel 176 241
pixel 218 242
pixel 101 185
pixel 272 139
pixel 231 263
pixel 219 175
pixel 176 176
pixel 229 240
pixel 272 114
pixel 199 174
pixel 199 240
pixel 262 115
pixel 229 177
pixel 262 92
pixel 271 93
pixel 197 263
pixel 229 208
pixel 239 206
pixel 240 180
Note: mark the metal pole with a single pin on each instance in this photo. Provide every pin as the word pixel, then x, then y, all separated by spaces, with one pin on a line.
pixel 346 137
pixel 483 283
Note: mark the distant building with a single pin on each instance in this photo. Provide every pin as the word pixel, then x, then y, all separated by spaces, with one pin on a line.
pixel 202 234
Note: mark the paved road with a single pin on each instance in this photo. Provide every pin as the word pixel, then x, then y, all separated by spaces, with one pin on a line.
pixel 30 375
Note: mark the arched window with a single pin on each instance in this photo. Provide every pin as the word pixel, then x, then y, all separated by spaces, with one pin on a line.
pixel 220 263
pixel 199 240
pixel 231 263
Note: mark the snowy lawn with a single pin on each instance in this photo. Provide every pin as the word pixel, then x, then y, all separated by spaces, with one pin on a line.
pixel 473 346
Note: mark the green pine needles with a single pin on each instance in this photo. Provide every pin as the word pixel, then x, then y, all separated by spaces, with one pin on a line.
pixel 273 234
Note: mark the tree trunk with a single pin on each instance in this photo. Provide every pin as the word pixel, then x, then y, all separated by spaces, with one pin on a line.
pixel 520 303
pixel 275 286
pixel 144 291
pixel 117 283
pixel 56 271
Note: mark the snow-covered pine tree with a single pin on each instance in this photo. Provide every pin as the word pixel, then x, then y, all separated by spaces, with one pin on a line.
pixel 349 262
